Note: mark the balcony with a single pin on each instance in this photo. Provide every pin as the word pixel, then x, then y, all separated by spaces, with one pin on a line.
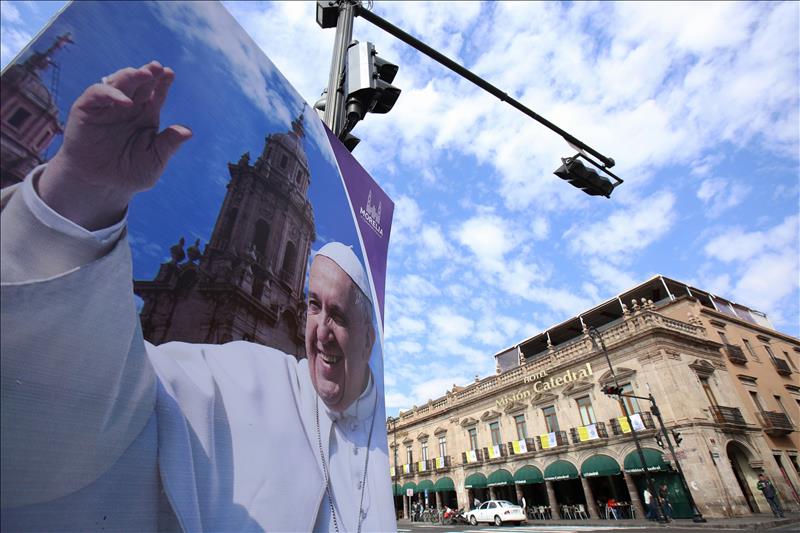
pixel 728 416
pixel 647 421
pixel 493 453
pixel 775 424
pixel 440 463
pixel 735 354
pixel 529 447
pixel 467 458
pixel 781 367
pixel 561 440
pixel 589 435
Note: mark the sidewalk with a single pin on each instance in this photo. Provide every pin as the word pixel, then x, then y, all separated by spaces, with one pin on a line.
pixel 756 522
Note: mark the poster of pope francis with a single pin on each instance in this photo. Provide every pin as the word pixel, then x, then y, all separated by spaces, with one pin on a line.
pixel 193 275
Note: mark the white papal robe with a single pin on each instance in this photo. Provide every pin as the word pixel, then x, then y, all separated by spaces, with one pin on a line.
pixel 101 430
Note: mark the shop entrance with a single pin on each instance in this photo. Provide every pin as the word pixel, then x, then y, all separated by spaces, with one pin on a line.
pixel 744 473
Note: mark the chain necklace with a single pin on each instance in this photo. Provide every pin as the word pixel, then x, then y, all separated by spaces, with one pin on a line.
pixel 326 472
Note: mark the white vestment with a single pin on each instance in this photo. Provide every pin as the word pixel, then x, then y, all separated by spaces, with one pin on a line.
pixel 101 430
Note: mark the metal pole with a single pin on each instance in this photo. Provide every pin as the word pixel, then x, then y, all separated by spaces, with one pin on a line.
pixel 595 335
pixel 334 105
pixel 387 26
pixel 697 515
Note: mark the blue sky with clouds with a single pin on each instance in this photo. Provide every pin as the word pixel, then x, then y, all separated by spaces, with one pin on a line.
pixel 697 102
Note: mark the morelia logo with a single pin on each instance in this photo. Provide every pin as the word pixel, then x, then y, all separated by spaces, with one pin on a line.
pixel 372 215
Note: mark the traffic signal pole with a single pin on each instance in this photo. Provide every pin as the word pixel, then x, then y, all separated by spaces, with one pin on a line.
pixel 697 516
pixel 595 335
pixel 334 106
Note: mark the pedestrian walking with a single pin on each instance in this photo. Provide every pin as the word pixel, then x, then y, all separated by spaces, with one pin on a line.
pixel 648 504
pixel 663 494
pixel 768 489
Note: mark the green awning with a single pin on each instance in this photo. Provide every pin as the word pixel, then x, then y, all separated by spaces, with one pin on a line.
pixel 653 458
pixel 500 478
pixel 560 470
pixel 600 465
pixel 444 484
pixel 425 484
pixel 528 475
pixel 398 489
pixel 410 485
pixel 475 481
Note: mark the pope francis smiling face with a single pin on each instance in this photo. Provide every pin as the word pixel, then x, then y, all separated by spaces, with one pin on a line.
pixel 339 334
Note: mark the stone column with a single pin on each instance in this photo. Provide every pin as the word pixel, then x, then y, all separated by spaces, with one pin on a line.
pixel 519 494
pixel 405 507
pixel 438 500
pixel 635 501
pixel 492 493
pixel 551 500
pixel 588 493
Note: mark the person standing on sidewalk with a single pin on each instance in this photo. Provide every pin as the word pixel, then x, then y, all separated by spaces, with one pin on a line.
pixel 648 504
pixel 768 489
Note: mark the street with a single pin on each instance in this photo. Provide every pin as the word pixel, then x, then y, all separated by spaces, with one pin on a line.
pixel 576 528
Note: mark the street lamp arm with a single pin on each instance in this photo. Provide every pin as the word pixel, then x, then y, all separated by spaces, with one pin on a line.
pixel 412 41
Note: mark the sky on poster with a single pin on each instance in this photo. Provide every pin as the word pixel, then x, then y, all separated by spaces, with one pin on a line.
pixel 697 102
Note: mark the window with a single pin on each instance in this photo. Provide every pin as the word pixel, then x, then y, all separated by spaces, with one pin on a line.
pixel 789 361
pixel 782 408
pixel 756 400
pixel 473 438
pixel 425 451
pixel 442 446
pixel 298 176
pixel 795 464
pixel 709 393
pixel 769 351
pixel 629 405
pixel 20 116
pixel 409 455
pixel 723 337
pixel 289 259
pixel 284 161
pixel 550 419
pixel 492 505
pixel 494 429
pixel 586 410
pixel 750 349
pixel 261 237
pixel 484 505
pixel 522 430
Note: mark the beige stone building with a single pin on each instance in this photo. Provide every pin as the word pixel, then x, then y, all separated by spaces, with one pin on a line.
pixel 725 380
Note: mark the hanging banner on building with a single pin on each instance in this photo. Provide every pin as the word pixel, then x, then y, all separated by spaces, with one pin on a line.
pixel 421 466
pixel 586 433
pixel 636 423
pixel 548 440
pixel 439 462
pixel 406 468
pixel 519 446
pixel 471 456
pixel 494 451
pixel 244 229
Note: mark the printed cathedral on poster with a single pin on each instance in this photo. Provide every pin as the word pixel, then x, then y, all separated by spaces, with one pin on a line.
pixel 193 287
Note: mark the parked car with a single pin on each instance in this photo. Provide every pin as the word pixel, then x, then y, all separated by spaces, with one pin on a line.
pixel 497 512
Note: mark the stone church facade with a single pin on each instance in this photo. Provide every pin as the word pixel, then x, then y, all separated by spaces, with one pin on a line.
pixel 248 282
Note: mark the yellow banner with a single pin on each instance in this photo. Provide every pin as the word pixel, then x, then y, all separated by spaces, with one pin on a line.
pixel 587 433
pixel 494 452
pixel 519 446
pixel 472 457
pixel 391 471
pixel 421 466
pixel 440 462
pixel 548 440
pixel 406 468
pixel 623 424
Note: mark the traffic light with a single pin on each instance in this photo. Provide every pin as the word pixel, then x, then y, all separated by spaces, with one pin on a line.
pixel 676 436
pixel 585 179
pixel 611 390
pixel 660 442
pixel 369 78
pixel 350 141
pixel 327 13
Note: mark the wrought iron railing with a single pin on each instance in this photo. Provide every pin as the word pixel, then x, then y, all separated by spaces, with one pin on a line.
pixel 781 366
pixel 735 354
pixel 599 432
pixel 530 447
pixel 775 423
pixel 731 416
pixel 647 421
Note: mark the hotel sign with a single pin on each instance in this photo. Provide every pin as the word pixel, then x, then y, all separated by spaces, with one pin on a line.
pixel 542 382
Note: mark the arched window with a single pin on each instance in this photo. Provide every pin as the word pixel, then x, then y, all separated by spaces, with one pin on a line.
pixel 261 236
pixel 289 259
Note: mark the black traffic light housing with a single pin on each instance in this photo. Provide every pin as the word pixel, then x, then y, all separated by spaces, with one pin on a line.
pixel 658 440
pixel 369 83
pixel 611 390
pixel 676 436
pixel 584 178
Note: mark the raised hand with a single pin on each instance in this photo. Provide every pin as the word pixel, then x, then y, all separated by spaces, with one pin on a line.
pixel 112 147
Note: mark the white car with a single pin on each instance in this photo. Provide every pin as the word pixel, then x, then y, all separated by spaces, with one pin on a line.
pixel 497 512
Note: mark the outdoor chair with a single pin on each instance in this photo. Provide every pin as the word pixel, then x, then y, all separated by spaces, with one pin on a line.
pixel 581 512
pixel 544 512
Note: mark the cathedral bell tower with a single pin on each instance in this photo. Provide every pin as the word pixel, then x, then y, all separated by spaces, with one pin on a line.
pixel 248 282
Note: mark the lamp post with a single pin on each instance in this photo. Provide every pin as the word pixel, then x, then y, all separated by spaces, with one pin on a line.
pixel 393 422
pixel 598 340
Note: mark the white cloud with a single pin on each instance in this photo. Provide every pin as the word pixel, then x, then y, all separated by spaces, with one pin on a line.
pixel 738 245
pixel 626 230
pixel 719 195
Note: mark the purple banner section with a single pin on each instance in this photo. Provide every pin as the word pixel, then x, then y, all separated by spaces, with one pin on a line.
pixel 373 209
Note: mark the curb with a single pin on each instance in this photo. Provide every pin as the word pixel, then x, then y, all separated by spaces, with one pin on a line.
pixel 675 524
